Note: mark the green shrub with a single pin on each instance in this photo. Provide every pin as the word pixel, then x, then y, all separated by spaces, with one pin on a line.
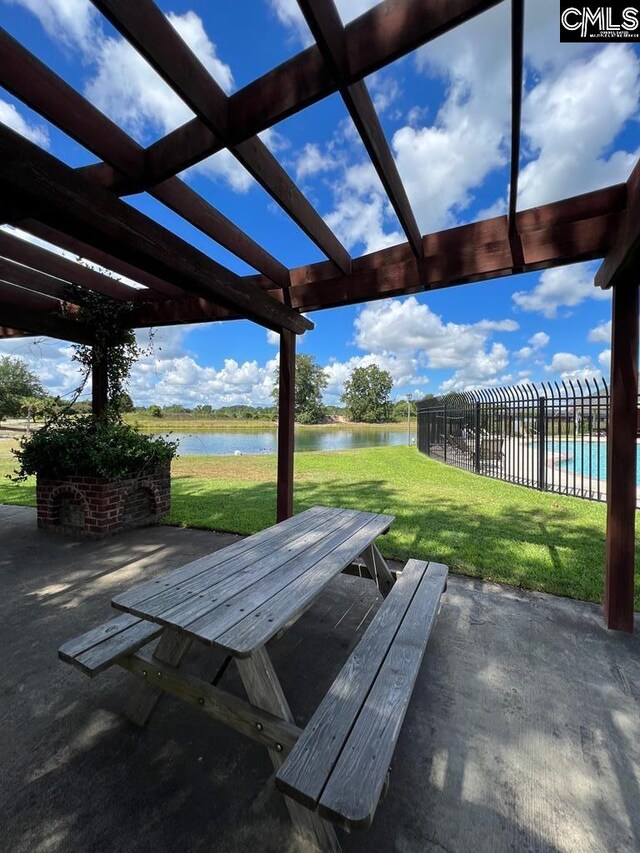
pixel 80 446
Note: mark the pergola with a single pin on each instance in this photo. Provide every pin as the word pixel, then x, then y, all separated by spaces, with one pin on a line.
pixel 80 210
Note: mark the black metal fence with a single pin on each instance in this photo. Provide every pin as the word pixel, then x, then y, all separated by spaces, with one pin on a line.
pixel 551 437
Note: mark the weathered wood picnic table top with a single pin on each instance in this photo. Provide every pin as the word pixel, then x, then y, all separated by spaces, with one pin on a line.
pixel 241 596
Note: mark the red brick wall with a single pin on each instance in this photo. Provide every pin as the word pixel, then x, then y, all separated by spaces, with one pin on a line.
pixel 95 507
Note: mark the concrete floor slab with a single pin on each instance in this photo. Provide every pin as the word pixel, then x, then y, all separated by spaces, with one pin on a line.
pixel 523 733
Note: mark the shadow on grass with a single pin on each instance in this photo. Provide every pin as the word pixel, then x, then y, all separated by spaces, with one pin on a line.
pixel 546 549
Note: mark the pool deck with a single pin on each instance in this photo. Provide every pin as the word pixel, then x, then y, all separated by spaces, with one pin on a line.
pixel 523 733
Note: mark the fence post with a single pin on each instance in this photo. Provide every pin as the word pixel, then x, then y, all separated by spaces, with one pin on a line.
pixel 542 443
pixel 477 434
pixel 445 433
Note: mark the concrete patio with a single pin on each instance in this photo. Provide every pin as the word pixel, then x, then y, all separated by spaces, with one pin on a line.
pixel 523 733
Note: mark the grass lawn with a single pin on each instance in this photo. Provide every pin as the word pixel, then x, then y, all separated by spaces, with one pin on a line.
pixel 202 424
pixel 478 526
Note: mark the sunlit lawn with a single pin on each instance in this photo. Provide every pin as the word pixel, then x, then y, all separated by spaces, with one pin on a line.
pixel 477 526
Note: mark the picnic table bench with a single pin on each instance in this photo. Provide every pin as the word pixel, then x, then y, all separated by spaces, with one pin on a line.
pixel 238 599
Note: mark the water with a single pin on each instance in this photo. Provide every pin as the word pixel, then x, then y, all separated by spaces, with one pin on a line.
pixel 253 442
pixel 590 458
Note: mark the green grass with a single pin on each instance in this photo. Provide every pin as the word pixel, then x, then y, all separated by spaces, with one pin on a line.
pixel 200 424
pixel 479 527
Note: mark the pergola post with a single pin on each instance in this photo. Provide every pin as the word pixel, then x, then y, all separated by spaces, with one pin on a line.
pixel 621 463
pixel 99 386
pixel 286 423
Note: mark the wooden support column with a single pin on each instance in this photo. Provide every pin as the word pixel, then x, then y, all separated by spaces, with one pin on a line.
pixel 286 422
pixel 99 387
pixel 621 464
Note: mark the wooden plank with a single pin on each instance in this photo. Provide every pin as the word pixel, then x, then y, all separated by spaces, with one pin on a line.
pixel 621 261
pixel 262 727
pixel 244 594
pixel 621 460
pixel 326 26
pixel 252 632
pixel 10 294
pixel 182 605
pixel 98 649
pixel 55 265
pixel 378 569
pixel 352 793
pixel 305 773
pixel 148 30
pixel 43 323
pixel 286 425
pixel 382 34
pixel 281 533
pixel 74 206
pixel 517 68
pixel 264 691
pixel 142 700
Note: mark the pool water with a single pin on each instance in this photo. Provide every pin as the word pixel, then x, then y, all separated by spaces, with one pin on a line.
pixel 588 457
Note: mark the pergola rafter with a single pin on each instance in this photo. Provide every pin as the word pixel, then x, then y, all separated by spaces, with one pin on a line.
pixel 81 211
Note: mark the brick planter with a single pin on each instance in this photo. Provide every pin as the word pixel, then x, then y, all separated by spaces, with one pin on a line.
pixel 94 507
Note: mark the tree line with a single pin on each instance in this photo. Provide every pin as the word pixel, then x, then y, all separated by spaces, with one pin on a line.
pixel 366 397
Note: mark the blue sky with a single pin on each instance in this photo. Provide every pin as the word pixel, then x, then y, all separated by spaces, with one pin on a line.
pixel 445 111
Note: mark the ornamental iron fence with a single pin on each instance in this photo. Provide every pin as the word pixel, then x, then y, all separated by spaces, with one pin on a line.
pixel 551 436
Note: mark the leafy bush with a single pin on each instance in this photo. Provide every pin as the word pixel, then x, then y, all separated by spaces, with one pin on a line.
pixel 80 446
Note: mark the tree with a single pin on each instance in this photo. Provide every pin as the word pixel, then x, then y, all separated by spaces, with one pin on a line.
pixel 16 383
pixel 155 411
pixel 367 395
pixel 124 403
pixel 311 380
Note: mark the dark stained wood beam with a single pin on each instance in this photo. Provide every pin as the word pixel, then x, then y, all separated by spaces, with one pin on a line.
pixel 32 280
pixel 7 332
pixel 517 70
pixel 383 34
pixel 621 463
pixel 576 229
pixel 620 266
pixel 41 322
pixel 73 205
pixel 13 294
pixel 124 169
pixel 144 25
pixel 44 261
pixel 155 287
pixel 286 424
pixel 326 26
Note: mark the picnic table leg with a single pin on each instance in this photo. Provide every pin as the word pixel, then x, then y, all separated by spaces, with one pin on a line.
pixel 378 569
pixel 143 699
pixel 264 691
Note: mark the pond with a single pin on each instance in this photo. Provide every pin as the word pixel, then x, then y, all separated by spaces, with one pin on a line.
pixel 252 442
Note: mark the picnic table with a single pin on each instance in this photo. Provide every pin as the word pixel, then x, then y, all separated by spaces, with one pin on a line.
pixel 239 598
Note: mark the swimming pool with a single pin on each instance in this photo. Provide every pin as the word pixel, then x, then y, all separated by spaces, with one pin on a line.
pixel 588 458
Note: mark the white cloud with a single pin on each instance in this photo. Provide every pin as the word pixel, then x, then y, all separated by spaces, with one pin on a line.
pixel 567 365
pixel 539 340
pixel 560 287
pixel 10 116
pixel 273 338
pixel 604 358
pixel 312 161
pixel 72 22
pixel 570 120
pixel 524 353
pixel 601 334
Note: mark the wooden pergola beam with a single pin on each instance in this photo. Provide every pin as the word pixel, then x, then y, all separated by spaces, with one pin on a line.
pixel 31 321
pixel 326 26
pixel 576 229
pixel 44 261
pixel 32 280
pixel 148 30
pixel 517 71
pixel 124 169
pixel 73 205
pixel 620 265
pixel 383 34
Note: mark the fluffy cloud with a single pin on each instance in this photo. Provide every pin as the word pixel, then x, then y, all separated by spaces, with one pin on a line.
pixel 10 116
pixel 414 333
pixel 567 365
pixel 539 340
pixel 571 119
pixel 604 359
pixel 601 334
pixel 560 287
pixel 73 22
pixel 312 161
